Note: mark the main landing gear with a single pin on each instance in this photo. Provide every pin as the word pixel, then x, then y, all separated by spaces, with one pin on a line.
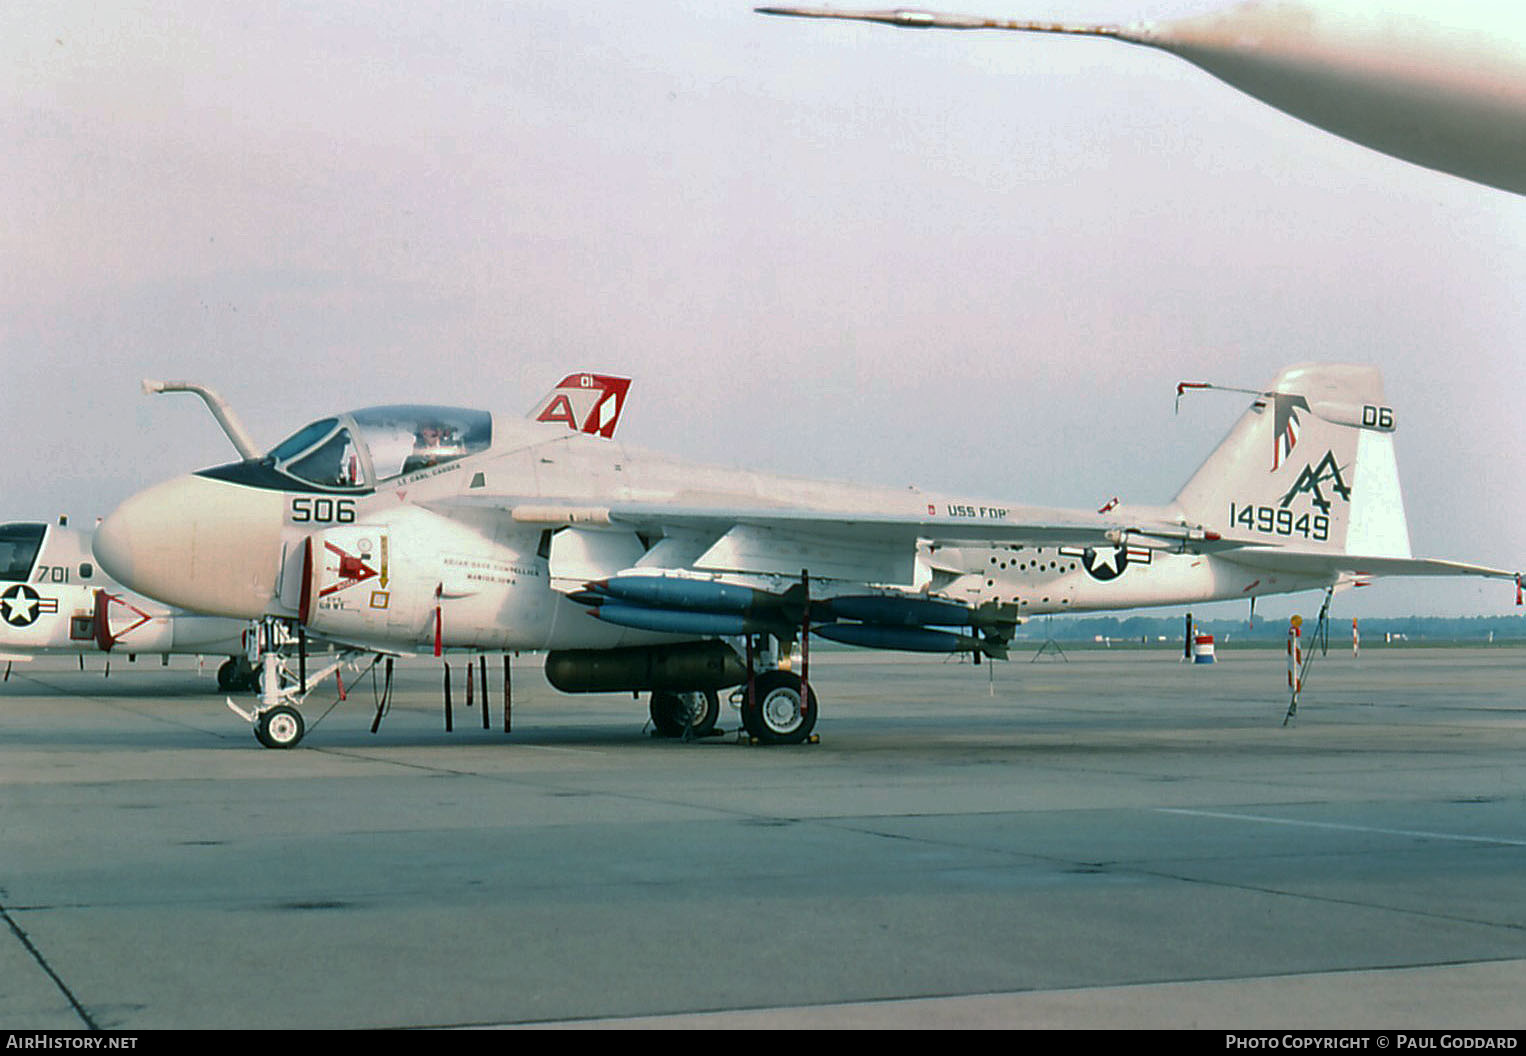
pixel 777 705
pixel 236 674
pixel 685 715
pixel 776 711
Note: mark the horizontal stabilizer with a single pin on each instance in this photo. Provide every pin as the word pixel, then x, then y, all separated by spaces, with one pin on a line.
pixel 1295 562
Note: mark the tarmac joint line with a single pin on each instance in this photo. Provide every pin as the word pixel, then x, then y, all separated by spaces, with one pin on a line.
pixel 42 962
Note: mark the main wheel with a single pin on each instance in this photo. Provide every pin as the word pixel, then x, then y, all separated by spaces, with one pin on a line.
pixel 697 712
pixel 280 727
pixel 777 714
pixel 248 677
pixel 236 675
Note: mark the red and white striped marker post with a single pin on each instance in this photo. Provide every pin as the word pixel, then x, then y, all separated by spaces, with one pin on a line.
pixel 1295 656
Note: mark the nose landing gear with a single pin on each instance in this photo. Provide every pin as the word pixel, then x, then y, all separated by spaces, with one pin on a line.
pixel 276 719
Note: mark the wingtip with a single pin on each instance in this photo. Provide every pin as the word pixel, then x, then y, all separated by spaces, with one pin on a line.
pixel 916 18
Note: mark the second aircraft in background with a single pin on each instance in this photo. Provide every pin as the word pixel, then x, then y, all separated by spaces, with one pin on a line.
pixel 55 602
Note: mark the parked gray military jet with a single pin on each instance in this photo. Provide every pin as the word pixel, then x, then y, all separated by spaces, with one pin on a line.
pixel 411 528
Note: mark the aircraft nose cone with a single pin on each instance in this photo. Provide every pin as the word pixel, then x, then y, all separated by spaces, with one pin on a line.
pixel 199 543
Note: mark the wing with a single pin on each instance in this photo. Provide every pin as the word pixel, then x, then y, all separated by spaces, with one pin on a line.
pixel 846 544
pixel 875 547
pixel 880 548
pixel 862 577
pixel 909 18
pixel 858 577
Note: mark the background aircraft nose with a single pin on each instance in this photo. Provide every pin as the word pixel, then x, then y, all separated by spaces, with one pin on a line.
pixel 199 543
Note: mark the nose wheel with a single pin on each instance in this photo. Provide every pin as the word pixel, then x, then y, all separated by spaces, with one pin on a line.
pixel 280 727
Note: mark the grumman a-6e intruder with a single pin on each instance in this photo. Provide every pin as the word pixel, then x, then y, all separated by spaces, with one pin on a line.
pixel 417 528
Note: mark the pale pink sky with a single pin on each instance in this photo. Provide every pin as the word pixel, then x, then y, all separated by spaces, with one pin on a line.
pixel 973 262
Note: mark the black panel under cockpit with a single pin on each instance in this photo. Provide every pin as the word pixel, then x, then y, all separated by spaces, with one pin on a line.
pixel 263 474
pixel 19 546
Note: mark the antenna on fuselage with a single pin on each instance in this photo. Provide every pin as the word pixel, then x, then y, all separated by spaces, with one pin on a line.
pixel 242 441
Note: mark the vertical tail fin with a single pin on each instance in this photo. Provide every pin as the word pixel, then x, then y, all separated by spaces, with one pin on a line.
pixel 1309 465
pixel 585 403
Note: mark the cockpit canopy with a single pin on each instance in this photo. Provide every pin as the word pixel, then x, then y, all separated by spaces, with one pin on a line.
pixel 367 447
pixel 19 546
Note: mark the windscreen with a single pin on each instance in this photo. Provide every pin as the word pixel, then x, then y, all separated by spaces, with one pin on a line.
pixel 302 439
pixel 334 464
pixel 19 545
pixel 321 453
